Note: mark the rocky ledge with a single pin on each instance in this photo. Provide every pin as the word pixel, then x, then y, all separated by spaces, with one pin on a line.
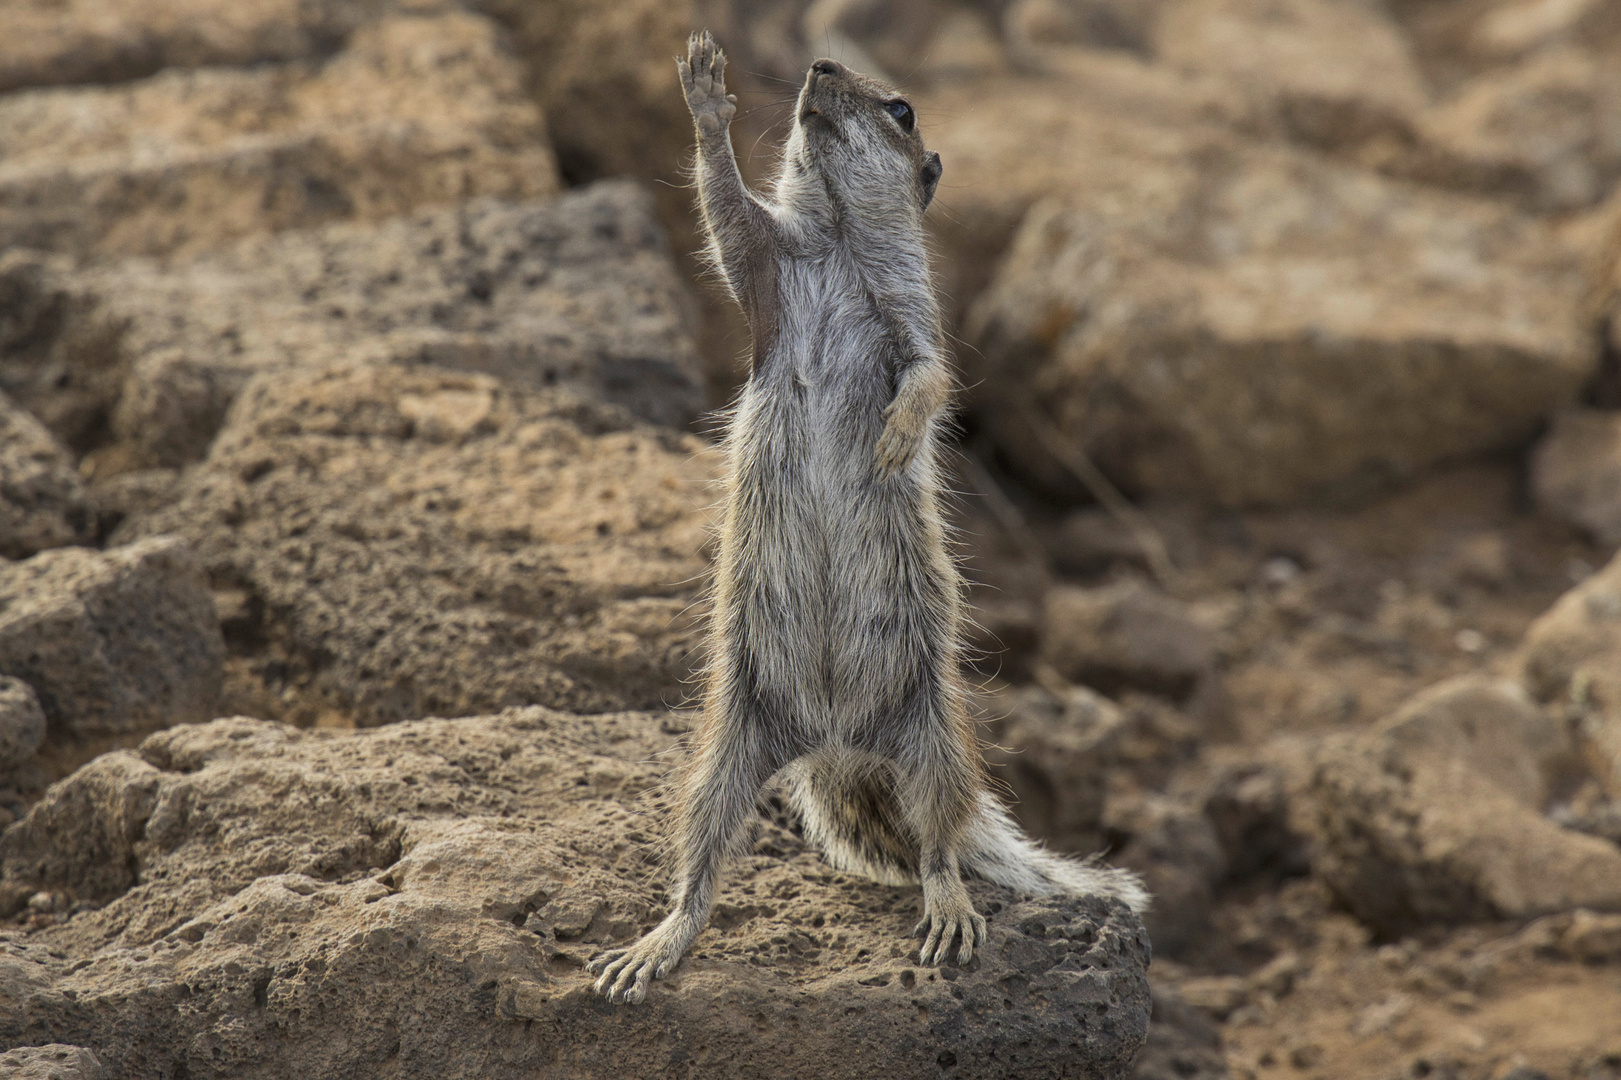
pixel 245 899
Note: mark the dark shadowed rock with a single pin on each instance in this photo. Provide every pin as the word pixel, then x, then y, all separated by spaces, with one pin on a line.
pixel 1576 472
pixel 1125 635
pixel 115 642
pixel 403 542
pixel 312 897
pixel 1183 1042
pixel 42 501
pixel 1175 850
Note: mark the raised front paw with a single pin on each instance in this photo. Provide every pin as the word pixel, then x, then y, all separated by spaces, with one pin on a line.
pixel 945 922
pixel 703 80
pixel 899 442
pixel 626 973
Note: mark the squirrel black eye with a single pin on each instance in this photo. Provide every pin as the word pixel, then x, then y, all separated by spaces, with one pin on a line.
pixel 902 113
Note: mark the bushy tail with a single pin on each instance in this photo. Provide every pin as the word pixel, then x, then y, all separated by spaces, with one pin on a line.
pixel 849 810
pixel 997 850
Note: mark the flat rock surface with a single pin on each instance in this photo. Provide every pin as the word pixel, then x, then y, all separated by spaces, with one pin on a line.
pixel 415 109
pixel 1261 327
pixel 401 542
pixel 315 898
pixel 49 42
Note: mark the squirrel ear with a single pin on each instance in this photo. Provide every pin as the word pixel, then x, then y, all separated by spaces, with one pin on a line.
pixel 930 177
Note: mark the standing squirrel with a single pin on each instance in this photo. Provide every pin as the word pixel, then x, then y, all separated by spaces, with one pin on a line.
pixel 835 643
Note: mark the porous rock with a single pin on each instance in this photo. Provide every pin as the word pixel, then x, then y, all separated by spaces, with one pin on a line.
pixel 54 1061
pixel 406 542
pixel 42 501
pixel 1435 815
pixel 1258 326
pixel 578 292
pixel 115 642
pixel 22 722
pixel 1571 657
pixel 312 896
pixel 415 109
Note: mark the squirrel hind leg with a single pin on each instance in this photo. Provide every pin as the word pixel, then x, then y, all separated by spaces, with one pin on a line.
pixel 996 849
pixel 850 811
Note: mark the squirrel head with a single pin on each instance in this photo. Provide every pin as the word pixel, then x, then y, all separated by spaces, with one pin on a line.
pixel 861 138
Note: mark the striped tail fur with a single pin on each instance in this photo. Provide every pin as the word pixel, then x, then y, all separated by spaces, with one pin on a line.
pixel 850 811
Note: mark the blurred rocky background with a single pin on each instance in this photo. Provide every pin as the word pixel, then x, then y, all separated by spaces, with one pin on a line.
pixel 354 367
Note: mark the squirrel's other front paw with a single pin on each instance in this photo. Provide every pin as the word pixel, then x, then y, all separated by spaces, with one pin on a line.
pixel 901 438
pixel 703 80
pixel 896 449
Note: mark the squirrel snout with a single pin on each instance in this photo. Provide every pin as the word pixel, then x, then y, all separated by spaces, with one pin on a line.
pixel 827 67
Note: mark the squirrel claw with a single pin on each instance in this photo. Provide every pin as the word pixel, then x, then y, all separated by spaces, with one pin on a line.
pixel 943 928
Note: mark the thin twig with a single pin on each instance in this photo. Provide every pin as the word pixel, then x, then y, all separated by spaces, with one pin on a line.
pixel 1073 458
pixel 1007 515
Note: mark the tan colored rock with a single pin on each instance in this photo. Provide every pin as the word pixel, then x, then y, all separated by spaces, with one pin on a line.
pixel 113 643
pixel 315 895
pixel 55 1061
pixel 1105 123
pixel 1254 326
pixel 1546 131
pixel 1330 72
pixel 1592 937
pixel 577 292
pixel 42 501
pixel 1456 41
pixel 1571 656
pixel 414 542
pixel 54 42
pixel 1576 472
pixel 1435 815
pixel 415 110
pixel 1125 635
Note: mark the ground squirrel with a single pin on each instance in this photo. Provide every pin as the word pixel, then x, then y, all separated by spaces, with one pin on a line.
pixel 835 637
